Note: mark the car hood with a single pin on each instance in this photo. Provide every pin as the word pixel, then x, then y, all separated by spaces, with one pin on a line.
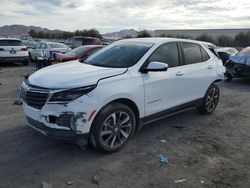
pixel 241 59
pixel 71 75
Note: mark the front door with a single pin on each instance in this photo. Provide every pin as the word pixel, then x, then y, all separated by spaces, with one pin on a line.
pixel 164 90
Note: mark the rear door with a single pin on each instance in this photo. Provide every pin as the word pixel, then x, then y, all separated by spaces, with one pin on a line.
pixel 198 70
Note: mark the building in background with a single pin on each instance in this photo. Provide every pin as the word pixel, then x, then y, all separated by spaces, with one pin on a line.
pixel 194 33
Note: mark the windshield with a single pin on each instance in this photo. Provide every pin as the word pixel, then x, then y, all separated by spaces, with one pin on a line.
pixel 11 43
pixel 245 51
pixel 119 55
pixel 78 51
pixel 58 45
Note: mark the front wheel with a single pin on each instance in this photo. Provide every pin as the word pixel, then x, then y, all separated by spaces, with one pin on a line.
pixel 113 127
pixel 210 100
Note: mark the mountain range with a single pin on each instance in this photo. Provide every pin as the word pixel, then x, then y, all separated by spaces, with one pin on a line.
pixel 22 30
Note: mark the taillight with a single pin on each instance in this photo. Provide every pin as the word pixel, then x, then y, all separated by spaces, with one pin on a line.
pixel 1 49
pixel 24 49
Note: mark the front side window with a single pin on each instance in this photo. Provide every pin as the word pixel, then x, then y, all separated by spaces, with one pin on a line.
pixel 121 55
pixel 192 53
pixel 167 53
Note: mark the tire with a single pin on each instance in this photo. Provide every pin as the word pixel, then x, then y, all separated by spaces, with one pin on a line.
pixel 210 100
pixel 107 136
pixel 25 63
pixel 229 77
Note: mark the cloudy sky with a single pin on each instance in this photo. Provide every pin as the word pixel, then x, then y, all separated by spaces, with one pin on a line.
pixel 114 15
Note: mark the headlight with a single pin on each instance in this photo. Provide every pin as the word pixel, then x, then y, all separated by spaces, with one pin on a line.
pixel 71 94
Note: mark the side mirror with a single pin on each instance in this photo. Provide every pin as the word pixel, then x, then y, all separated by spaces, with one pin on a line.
pixel 155 67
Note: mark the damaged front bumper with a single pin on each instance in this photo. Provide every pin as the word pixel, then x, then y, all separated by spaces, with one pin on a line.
pixel 67 121
pixel 68 135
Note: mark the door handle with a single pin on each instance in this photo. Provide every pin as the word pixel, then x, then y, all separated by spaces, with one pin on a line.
pixel 179 73
pixel 210 66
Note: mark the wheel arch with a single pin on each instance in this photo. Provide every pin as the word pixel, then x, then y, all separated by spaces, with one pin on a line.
pixel 128 102
pixel 217 80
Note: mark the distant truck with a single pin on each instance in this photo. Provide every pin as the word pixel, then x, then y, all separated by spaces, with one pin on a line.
pixel 77 41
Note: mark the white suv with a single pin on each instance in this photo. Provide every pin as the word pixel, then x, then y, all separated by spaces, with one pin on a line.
pixel 13 50
pixel 120 88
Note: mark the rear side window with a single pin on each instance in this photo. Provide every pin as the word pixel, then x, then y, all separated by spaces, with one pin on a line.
pixel 192 53
pixel 205 56
pixel 166 53
pixel 11 43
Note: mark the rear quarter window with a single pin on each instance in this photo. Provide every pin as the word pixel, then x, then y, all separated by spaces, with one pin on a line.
pixel 11 43
pixel 205 56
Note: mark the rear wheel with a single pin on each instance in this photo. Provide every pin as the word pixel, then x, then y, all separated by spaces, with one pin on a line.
pixel 113 127
pixel 210 100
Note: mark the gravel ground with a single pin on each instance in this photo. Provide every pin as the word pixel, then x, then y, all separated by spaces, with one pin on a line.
pixel 203 151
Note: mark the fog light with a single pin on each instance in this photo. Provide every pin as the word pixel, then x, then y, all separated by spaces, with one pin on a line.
pixel 78 121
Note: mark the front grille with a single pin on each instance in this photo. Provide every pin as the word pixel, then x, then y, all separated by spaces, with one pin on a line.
pixel 35 99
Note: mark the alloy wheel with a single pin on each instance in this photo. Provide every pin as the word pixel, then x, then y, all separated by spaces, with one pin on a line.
pixel 212 99
pixel 116 129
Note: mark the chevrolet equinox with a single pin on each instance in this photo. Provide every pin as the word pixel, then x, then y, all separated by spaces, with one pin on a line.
pixel 125 85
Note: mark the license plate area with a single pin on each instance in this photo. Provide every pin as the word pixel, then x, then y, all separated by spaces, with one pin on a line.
pixel 13 52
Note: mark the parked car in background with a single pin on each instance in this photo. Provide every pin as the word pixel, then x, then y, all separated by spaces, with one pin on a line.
pixel 212 47
pixel 46 49
pixel 238 66
pixel 226 52
pixel 29 42
pixel 13 50
pixel 123 86
pixel 77 41
pixel 81 52
pixel 230 50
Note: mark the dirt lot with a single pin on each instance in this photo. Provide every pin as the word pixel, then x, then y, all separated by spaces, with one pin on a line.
pixel 206 151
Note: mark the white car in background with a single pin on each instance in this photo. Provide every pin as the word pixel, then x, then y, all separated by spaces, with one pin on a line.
pixel 13 50
pixel 229 50
pixel 118 89
pixel 225 53
pixel 45 49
